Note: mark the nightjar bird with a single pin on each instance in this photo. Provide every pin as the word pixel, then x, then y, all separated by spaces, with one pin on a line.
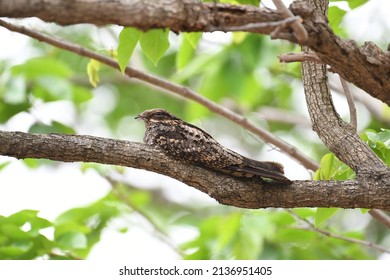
pixel 186 142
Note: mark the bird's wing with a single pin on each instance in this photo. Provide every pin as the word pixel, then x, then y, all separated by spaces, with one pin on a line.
pixel 266 170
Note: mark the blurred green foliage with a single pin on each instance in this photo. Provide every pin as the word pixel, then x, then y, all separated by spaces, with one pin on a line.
pixel 243 75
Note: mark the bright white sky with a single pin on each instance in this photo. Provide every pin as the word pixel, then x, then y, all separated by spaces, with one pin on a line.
pixel 54 190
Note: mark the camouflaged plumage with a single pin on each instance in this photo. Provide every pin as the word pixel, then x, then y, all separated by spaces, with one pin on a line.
pixel 186 142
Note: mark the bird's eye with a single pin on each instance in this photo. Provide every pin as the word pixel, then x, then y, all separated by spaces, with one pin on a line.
pixel 159 115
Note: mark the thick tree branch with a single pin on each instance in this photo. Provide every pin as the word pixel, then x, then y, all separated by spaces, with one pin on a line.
pixel 177 15
pixel 338 136
pixel 225 189
pixel 371 65
pixel 167 85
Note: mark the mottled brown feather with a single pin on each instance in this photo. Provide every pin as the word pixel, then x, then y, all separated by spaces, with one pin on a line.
pixel 186 142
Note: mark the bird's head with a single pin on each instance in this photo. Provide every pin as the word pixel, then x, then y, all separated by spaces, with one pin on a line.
pixel 156 116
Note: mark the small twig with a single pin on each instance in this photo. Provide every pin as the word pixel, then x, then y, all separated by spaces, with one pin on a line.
pixel 284 116
pixel 347 239
pixel 259 25
pixel 299 57
pixel 380 216
pixel 311 227
pixel 160 232
pixel 374 106
pixel 171 87
pixel 351 104
pixel 299 30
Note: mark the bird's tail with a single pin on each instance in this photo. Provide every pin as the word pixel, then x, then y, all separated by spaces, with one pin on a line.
pixel 267 170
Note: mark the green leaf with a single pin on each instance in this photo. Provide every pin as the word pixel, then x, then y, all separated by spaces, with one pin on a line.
pixel 231 224
pixel 305 212
pixel 50 88
pixel 70 226
pixel 139 198
pixel 336 15
pixel 298 236
pixel 356 3
pixel 54 127
pixel 75 225
pixel 32 163
pixel 4 164
pixel 328 168
pixel 72 240
pixel 154 44
pixel 11 252
pixel 195 67
pixel 249 2
pixel 352 3
pixel 23 216
pixel 9 110
pixel 16 91
pixel 380 138
pixel 93 69
pixel 128 39
pixel 184 54
pixel 14 232
pixel 239 37
pixel 193 38
pixel 332 168
pixel 323 214
pixel 42 66
pixel 187 48
pixel 81 94
pixel 379 142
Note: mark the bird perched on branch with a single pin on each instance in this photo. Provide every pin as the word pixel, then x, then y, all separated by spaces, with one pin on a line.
pixel 186 142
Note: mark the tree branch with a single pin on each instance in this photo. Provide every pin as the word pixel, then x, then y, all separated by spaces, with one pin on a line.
pixel 381 217
pixel 225 189
pixel 337 135
pixel 299 30
pixel 255 26
pixel 312 227
pixel 351 104
pixel 299 57
pixel 370 64
pixel 166 85
pixel 284 116
pixel 376 107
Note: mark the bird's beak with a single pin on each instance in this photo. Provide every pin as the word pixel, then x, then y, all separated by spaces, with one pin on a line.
pixel 138 117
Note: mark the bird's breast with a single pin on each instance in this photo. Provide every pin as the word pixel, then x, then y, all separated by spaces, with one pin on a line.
pixel 155 132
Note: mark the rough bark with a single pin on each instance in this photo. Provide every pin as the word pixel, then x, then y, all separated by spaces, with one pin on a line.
pixel 371 65
pixel 371 71
pixel 177 15
pixel 339 136
pixel 225 189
